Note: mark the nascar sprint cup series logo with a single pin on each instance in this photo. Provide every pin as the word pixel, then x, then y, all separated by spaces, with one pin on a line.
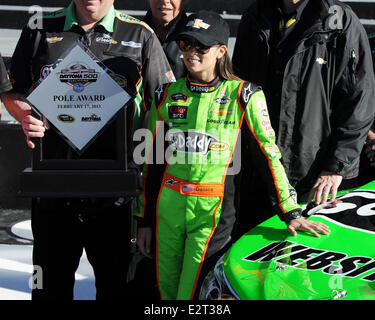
pixel 78 75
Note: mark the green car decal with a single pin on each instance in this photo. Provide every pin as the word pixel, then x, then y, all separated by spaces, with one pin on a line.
pixel 268 263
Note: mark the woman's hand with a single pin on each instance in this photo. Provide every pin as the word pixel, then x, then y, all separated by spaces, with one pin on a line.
pixel 307 225
pixel 144 241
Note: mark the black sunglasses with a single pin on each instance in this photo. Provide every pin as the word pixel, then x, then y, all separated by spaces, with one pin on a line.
pixel 186 44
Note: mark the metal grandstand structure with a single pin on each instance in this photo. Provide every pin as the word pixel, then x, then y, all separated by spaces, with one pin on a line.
pixel 15 13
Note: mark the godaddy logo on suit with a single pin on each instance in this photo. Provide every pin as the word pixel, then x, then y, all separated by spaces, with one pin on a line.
pixel 195 142
pixel 175 146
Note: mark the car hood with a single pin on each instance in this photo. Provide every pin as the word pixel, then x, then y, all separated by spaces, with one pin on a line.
pixel 268 263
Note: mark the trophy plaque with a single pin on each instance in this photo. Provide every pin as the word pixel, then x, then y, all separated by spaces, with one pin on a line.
pixel 82 107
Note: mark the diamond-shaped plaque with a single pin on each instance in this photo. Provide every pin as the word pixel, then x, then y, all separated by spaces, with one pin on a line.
pixel 78 97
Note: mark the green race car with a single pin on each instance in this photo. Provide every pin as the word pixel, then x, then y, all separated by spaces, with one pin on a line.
pixel 268 263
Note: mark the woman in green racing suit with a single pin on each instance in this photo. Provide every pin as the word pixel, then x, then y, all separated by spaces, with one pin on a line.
pixel 208 119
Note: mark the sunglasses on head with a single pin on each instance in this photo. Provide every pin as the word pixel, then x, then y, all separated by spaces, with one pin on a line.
pixel 186 45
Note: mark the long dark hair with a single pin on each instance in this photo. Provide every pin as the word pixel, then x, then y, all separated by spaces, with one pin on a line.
pixel 224 68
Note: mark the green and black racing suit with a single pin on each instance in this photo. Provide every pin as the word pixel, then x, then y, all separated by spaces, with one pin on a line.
pixel 202 130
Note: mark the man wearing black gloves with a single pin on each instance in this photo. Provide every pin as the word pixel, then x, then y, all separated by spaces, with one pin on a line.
pixel 63 227
pixel 313 60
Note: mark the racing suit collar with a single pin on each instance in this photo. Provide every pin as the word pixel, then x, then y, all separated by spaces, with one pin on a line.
pixel 199 86
pixel 71 20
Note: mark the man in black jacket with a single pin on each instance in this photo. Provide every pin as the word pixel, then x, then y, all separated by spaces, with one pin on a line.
pixel 367 168
pixel 313 60
pixel 372 46
pixel 167 18
pixel 4 81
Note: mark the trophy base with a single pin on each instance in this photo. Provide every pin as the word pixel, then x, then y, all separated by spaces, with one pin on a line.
pixel 79 183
